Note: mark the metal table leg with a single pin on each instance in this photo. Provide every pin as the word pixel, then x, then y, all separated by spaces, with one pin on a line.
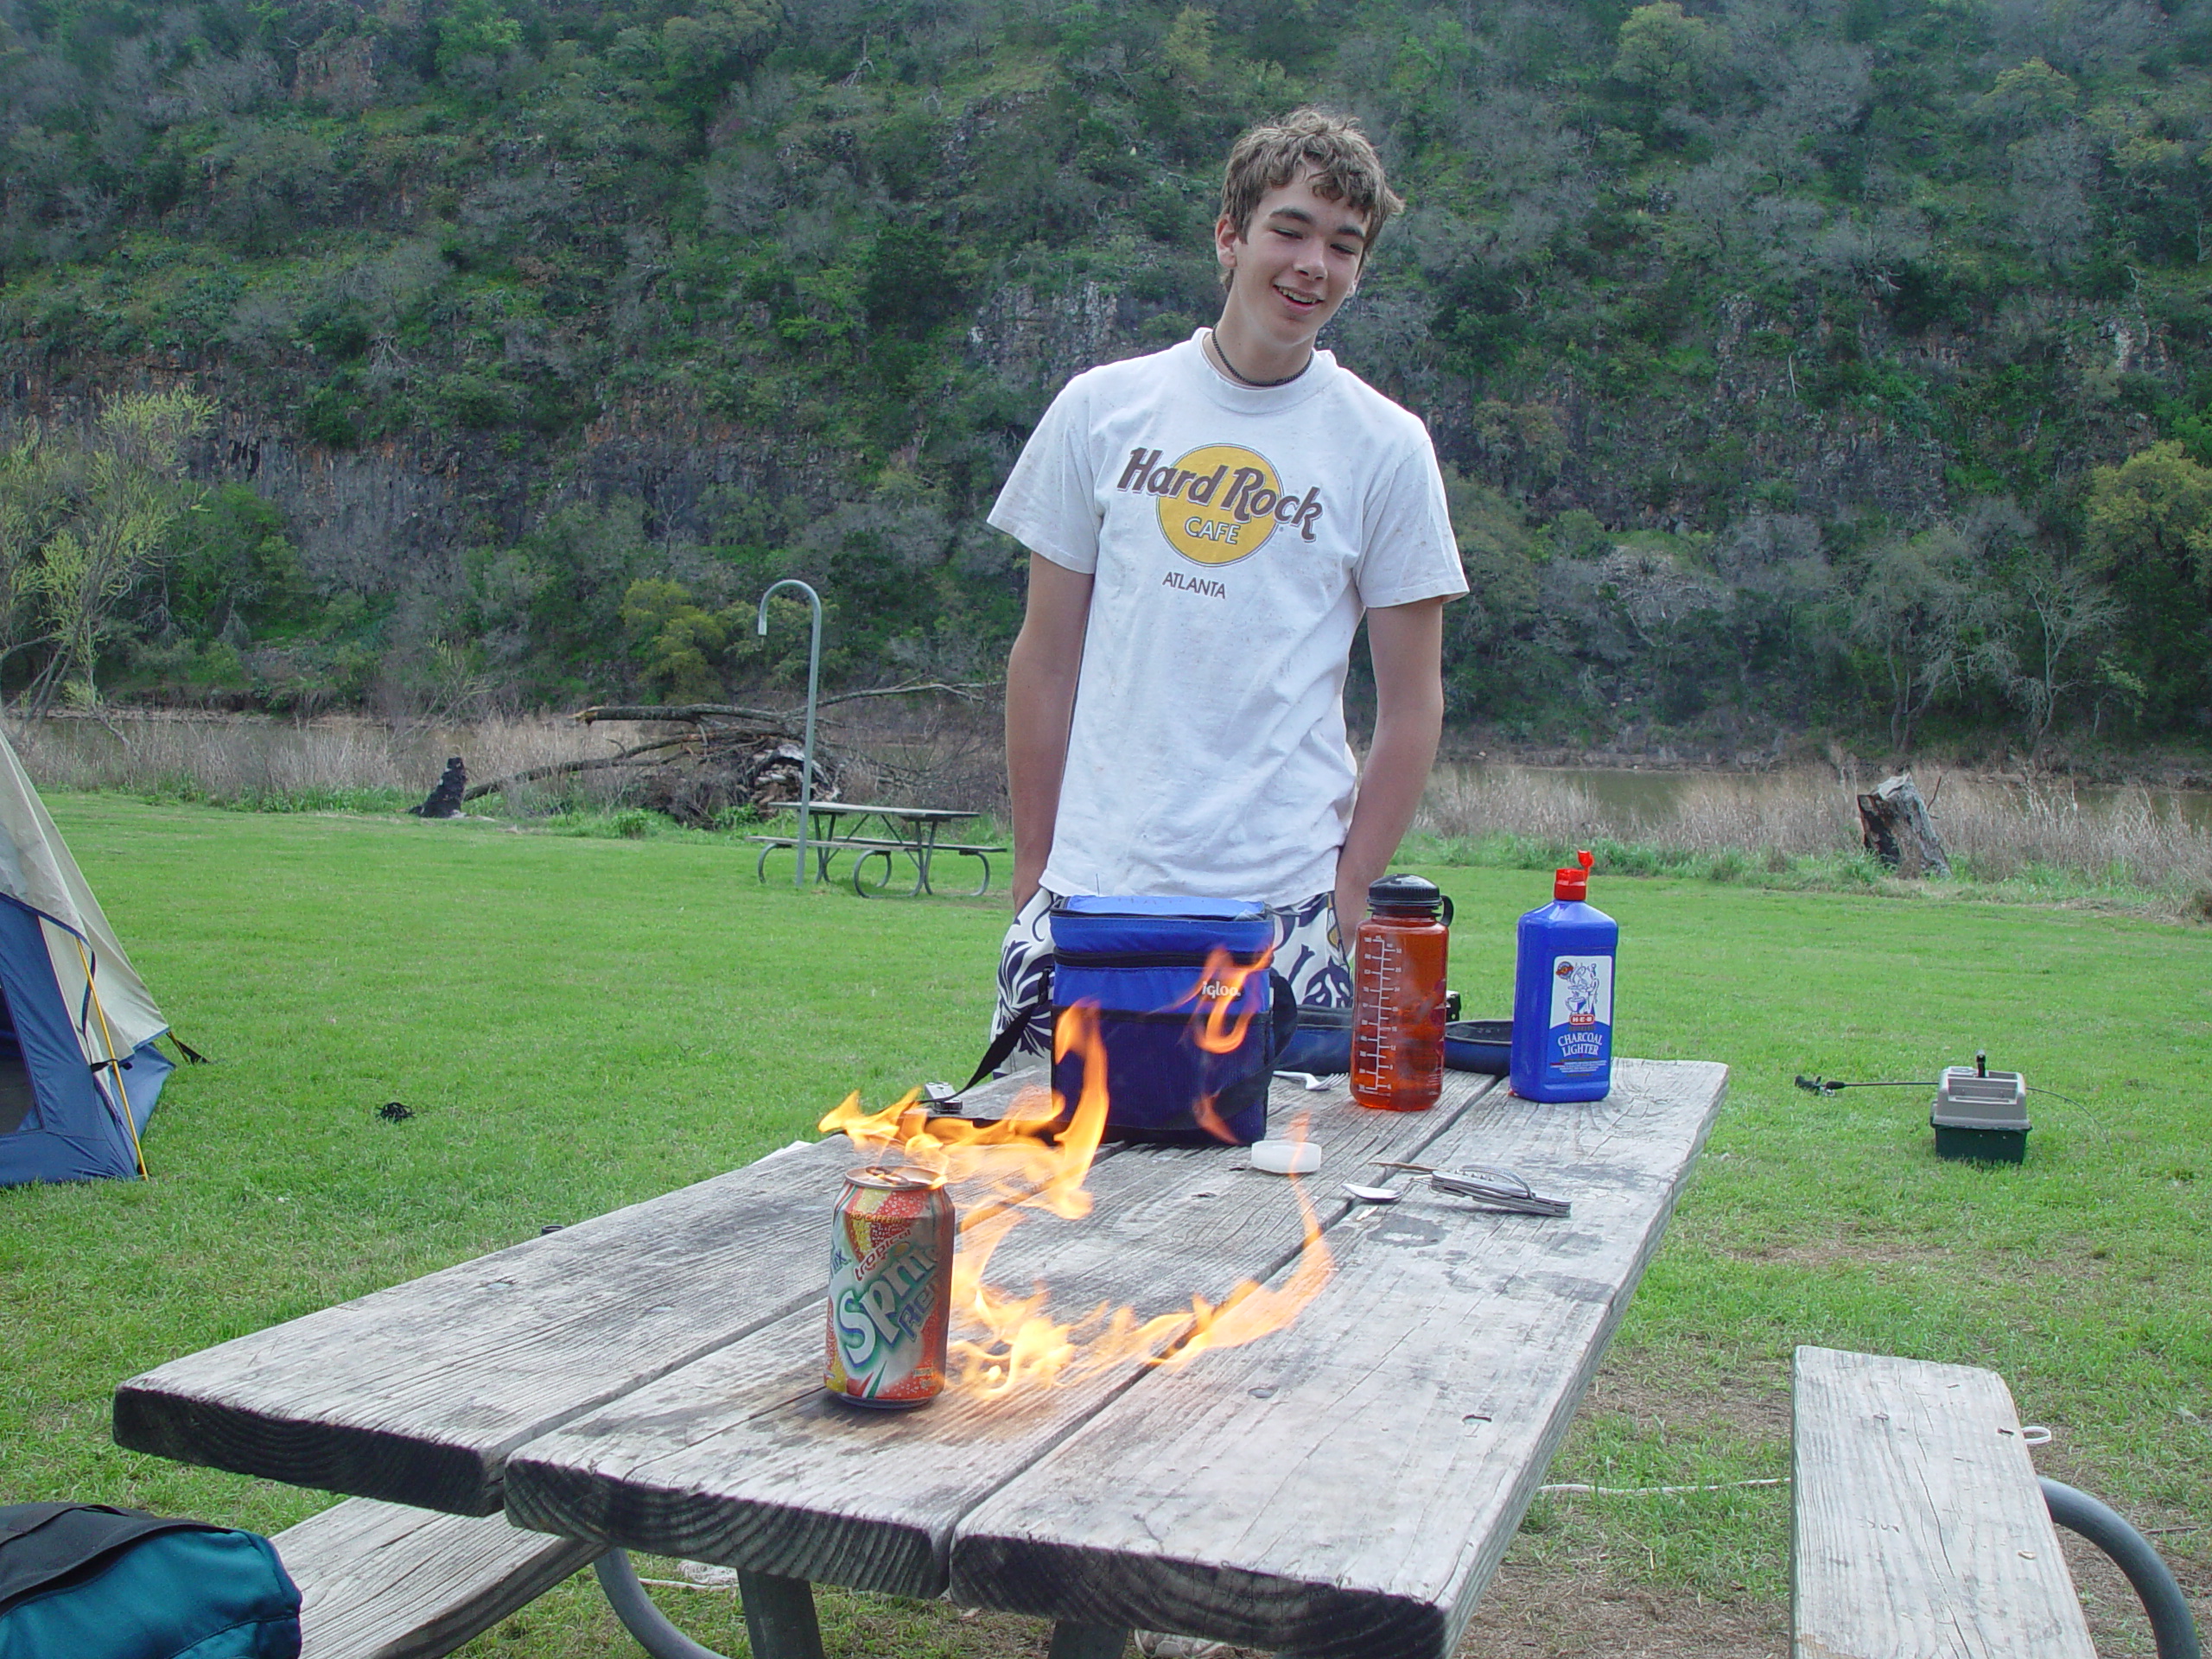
pixel 924 844
pixel 779 1614
pixel 1088 1641
pixel 639 1616
pixel 859 871
pixel 779 1619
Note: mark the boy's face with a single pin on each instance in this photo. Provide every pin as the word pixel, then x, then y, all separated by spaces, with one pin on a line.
pixel 1299 261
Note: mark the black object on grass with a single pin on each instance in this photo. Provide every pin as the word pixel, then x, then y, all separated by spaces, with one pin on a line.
pixel 444 801
pixel 392 1112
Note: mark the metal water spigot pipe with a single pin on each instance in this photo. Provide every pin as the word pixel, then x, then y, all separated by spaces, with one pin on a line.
pixel 813 681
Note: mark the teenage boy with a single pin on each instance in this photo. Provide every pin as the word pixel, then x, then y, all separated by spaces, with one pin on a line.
pixel 1207 526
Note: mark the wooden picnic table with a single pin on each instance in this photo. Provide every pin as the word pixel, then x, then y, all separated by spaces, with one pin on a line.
pixel 834 827
pixel 1345 1486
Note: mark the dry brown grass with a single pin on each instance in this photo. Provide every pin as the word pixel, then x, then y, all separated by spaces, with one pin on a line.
pixel 241 757
pixel 2006 827
pixel 942 753
pixel 1996 828
pixel 932 752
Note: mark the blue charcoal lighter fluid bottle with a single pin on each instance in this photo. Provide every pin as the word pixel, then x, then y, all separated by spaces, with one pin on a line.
pixel 1563 995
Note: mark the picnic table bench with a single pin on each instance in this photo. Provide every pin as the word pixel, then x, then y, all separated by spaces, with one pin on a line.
pixel 388 1581
pixel 1919 1526
pixel 911 832
pixel 1345 1486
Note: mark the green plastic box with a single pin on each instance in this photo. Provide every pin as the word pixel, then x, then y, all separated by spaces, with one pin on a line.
pixel 1982 1115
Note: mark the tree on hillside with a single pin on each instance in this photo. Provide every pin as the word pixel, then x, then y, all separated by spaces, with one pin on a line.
pixel 2062 614
pixel 2149 525
pixel 2153 511
pixel 1919 608
pixel 1665 55
pixel 33 502
pixel 2027 97
pixel 82 518
pixel 1493 666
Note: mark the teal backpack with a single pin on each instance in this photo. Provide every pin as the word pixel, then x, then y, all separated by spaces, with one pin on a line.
pixel 86 1582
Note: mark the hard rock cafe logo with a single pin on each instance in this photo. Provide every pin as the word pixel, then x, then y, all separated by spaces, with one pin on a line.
pixel 1221 503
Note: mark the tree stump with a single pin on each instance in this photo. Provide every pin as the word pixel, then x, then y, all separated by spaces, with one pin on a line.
pixel 1895 826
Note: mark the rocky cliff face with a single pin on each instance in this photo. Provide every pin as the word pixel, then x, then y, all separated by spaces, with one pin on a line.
pixel 395 516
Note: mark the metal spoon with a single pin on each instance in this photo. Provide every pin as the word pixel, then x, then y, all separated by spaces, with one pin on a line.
pixel 1372 1194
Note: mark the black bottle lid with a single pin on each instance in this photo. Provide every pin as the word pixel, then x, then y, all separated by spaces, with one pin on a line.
pixel 1404 895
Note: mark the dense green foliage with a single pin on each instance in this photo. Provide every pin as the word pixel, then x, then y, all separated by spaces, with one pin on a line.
pixel 1787 355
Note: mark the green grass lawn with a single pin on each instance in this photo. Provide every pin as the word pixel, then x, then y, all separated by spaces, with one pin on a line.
pixel 579 1022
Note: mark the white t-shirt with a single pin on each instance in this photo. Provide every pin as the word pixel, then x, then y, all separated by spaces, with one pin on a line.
pixel 1234 536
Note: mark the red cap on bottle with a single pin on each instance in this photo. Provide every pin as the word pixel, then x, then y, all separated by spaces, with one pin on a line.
pixel 1573 884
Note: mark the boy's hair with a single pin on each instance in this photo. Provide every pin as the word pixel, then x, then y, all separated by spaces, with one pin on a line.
pixel 1271 155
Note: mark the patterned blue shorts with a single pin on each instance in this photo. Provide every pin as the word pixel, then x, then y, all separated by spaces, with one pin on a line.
pixel 1309 953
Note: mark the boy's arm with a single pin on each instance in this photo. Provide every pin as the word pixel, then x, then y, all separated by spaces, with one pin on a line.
pixel 1040 680
pixel 1406 643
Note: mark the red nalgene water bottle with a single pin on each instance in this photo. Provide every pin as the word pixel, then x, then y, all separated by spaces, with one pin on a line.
pixel 1397 1018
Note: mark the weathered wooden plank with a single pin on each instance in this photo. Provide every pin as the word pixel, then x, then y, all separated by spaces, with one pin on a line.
pixel 740 1458
pixel 416 1394
pixel 1919 1529
pixel 386 1581
pixel 1346 1487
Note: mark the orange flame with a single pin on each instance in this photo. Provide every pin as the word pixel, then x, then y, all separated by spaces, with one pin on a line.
pixel 1029 1157
pixel 1251 1310
pixel 1212 1122
pixel 1037 1157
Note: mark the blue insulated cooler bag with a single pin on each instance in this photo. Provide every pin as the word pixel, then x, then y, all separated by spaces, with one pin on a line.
pixel 1140 964
pixel 86 1582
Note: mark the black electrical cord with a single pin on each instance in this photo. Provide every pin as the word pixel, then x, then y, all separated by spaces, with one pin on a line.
pixel 1827 1086
pixel 1830 1086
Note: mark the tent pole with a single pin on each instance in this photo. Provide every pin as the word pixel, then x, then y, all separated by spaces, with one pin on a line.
pixel 119 1096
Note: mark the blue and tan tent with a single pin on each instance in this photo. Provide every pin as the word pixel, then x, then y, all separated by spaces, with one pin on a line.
pixel 78 1071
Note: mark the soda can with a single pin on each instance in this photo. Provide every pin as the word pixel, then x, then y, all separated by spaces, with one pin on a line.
pixel 890 1288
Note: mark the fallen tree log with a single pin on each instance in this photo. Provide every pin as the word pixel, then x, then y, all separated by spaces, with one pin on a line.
pixel 734 756
pixel 698 776
pixel 560 769
pixel 784 720
pixel 692 713
pixel 1895 826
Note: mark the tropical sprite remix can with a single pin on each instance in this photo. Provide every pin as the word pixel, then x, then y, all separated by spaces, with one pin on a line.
pixel 890 1288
